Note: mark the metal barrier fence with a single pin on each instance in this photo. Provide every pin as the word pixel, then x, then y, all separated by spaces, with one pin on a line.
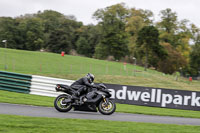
pixel 15 82
pixel 45 86
pixel 32 84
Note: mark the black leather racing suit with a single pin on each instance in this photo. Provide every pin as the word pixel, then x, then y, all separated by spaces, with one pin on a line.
pixel 82 85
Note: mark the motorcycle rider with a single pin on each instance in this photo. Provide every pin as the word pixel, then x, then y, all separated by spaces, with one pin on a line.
pixel 83 85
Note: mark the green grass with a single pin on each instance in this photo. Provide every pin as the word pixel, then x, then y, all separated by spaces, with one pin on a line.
pixel 73 67
pixel 157 111
pixel 20 98
pixel 22 124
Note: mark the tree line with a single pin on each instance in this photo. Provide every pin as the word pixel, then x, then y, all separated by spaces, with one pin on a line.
pixel 121 34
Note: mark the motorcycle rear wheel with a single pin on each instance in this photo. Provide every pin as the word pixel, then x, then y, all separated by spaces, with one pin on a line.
pixel 107 109
pixel 60 106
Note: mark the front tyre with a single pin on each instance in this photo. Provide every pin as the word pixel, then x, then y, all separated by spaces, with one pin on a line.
pixel 60 106
pixel 107 109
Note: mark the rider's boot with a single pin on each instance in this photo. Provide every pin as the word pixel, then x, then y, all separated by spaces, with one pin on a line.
pixel 82 100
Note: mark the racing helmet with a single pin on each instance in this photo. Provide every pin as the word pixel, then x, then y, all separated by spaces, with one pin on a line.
pixel 90 77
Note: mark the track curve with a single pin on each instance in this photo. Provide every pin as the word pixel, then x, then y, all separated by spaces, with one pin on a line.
pixel 37 111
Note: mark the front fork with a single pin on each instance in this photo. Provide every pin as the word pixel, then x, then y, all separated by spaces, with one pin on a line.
pixel 106 100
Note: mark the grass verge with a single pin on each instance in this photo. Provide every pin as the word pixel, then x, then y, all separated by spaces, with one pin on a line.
pixel 22 124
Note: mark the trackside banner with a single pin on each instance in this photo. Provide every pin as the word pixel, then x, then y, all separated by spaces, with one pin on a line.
pixel 156 97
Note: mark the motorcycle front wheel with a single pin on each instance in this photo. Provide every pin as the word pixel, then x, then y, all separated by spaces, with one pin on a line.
pixel 60 105
pixel 107 108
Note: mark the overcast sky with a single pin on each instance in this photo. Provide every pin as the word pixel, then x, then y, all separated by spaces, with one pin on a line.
pixel 83 9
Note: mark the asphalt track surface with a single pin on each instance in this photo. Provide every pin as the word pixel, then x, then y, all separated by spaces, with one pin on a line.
pixel 37 111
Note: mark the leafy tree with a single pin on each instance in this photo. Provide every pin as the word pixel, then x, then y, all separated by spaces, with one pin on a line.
pixel 51 19
pixel 168 26
pixel 169 20
pixel 182 39
pixel 195 55
pixel 33 33
pixel 83 47
pixel 71 27
pixel 54 21
pixel 148 41
pixel 101 51
pixel 114 38
pixel 135 22
pixel 173 62
pixel 62 36
pixel 91 35
pixel 9 31
pixel 195 33
pixel 59 41
pixel 175 33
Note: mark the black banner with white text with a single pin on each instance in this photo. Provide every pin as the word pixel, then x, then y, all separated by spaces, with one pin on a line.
pixel 156 97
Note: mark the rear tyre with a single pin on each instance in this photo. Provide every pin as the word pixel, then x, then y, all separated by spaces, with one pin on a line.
pixel 107 109
pixel 60 106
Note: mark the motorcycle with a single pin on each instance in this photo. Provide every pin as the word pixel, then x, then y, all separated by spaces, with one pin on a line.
pixel 96 99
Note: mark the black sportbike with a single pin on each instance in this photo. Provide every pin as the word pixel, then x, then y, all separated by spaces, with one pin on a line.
pixel 98 98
